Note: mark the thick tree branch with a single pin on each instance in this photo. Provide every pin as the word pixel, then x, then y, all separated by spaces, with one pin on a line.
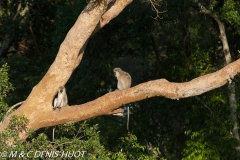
pixel 38 105
pixel 107 103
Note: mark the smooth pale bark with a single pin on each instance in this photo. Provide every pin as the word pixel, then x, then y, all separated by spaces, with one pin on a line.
pixel 38 106
pixel 106 104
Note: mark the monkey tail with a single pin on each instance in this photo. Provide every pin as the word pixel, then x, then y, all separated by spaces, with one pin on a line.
pixel 127 118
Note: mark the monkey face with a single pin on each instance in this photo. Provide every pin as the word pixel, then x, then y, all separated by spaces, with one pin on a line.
pixel 60 90
pixel 116 72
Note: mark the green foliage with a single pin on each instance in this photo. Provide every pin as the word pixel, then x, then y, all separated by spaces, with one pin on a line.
pixel 230 13
pixel 85 138
pixel 208 136
pixel 205 145
pixel 5 88
pixel 129 148
pixel 85 144
pixel 23 77
pixel 5 85
pixel 9 137
pixel 18 123
pixel 191 128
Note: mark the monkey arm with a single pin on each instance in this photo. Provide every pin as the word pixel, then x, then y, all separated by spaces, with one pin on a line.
pixel 55 103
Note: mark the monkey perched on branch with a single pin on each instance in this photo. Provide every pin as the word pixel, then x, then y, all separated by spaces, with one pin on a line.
pixel 61 100
pixel 124 82
pixel 124 79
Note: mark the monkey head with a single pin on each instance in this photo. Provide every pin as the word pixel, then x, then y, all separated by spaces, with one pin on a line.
pixel 60 90
pixel 117 72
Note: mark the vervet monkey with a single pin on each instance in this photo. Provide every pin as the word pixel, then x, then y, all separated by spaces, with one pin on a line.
pixel 124 82
pixel 61 100
pixel 124 79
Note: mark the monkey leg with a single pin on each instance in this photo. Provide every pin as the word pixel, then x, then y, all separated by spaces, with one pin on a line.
pixel 117 112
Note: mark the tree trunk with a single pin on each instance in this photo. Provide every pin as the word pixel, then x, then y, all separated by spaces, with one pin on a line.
pixel 228 58
pixel 38 106
pixel 233 109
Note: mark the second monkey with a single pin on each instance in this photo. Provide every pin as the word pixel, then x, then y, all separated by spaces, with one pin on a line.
pixel 124 82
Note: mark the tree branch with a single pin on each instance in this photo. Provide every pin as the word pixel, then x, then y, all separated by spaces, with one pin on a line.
pixel 38 106
pixel 104 105
pixel 222 36
pixel 228 58
pixel 114 10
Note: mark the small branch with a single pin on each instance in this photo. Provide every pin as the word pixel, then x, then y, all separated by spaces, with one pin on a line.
pixel 221 26
pixel 10 109
pixel 15 105
pixel 115 9
pixel 154 4
pixel 204 104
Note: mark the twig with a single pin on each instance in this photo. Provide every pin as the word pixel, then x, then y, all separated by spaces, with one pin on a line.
pixel 10 109
pixel 154 4
pixel 203 104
